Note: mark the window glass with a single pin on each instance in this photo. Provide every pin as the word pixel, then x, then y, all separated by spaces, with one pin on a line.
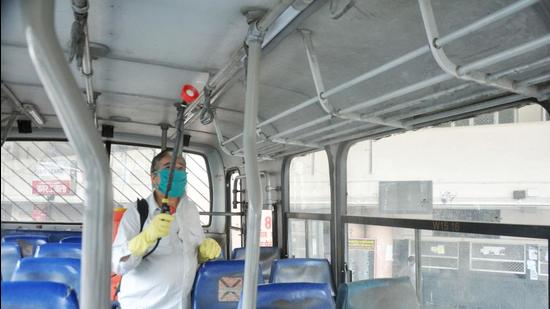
pixel 530 113
pixel 484 119
pixel 458 270
pixel 506 116
pixel 41 182
pixel 478 271
pixel 309 239
pixel 130 166
pixel 486 173
pixel 379 252
pixel 309 183
pixel 235 231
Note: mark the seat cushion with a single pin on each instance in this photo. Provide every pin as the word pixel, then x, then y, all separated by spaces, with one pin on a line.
pixel 302 270
pixel 267 256
pixel 389 293
pixel 294 295
pixel 38 295
pixel 11 253
pixel 218 284
pixel 57 250
pixel 62 270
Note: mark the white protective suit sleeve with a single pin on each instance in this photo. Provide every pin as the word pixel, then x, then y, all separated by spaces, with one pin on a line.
pixel 128 229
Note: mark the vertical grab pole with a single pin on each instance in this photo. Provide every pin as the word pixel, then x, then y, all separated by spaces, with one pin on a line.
pixel 77 121
pixel 254 42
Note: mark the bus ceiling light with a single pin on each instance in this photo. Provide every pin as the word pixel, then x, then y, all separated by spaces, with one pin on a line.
pixel 33 113
pixel 189 93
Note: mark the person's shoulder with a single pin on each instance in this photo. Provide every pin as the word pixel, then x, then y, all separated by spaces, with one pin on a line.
pixel 189 205
pixel 131 213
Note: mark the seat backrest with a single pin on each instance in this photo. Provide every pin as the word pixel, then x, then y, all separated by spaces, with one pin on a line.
pixel 26 240
pixel 57 250
pixel 38 295
pixel 388 293
pixel 218 284
pixel 267 256
pixel 62 270
pixel 294 295
pixel 302 270
pixel 11 253
pixel 71 239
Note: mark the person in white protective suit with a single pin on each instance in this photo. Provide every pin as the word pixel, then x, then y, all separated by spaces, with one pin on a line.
pixel 161 276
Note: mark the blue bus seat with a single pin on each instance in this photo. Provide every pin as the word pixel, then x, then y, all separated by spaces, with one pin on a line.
pixel 294 295
pixel 62 270
pixel 57 250
pixel 25 240
pixel 71 239
pixel 387 293
pixel 218 284
pixel 302 270
pixel 11 253
pixel 267 256
pixel 38 295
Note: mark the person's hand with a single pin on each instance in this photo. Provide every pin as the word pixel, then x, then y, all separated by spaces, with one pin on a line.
pixel 158 228
pixel 209 250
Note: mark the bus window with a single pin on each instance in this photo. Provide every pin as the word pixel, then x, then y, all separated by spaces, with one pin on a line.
pixel 309 183
pixel 41 182
pixel 130 166
pixel 479 271
pixel 492 168
pixel 380 252
pixel 236 237
pixel 309 239
pixel 309 193
pixel 483 171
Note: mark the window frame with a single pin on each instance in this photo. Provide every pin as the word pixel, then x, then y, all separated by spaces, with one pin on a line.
pixel 108 144
pixel 338 155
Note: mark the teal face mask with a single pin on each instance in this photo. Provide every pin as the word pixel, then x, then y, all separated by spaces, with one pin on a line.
pixel 178 182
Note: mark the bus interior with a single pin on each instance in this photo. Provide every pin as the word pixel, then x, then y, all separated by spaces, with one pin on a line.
pixel 365 153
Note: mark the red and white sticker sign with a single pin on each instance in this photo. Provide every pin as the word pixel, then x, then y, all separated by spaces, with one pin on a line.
pixel 51 187
pixel 54 178
pixel 266 232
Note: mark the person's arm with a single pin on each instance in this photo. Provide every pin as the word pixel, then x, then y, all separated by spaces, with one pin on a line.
pixel 122 259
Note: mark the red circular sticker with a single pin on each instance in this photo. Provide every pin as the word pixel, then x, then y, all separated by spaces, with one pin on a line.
pixel 189 93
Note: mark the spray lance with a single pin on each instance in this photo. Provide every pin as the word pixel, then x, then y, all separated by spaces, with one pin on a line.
pixel 188 95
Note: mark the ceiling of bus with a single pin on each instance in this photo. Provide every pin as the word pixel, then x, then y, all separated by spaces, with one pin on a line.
pixel 156 46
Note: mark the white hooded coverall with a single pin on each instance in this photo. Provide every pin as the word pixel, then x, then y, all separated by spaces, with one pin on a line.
pixel 164 279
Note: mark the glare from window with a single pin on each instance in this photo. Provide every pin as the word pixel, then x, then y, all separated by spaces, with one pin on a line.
pixel 310 183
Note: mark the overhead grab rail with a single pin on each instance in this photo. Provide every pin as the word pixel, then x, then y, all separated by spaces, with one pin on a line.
pixel 494 17
pixel 320 88
pixel 462 72
pixel 62 90
pixel 358 132
pixel 216 83
pixel 482 63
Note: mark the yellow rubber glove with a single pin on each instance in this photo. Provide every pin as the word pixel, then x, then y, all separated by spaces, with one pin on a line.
pixel 159 227
pixel 209 250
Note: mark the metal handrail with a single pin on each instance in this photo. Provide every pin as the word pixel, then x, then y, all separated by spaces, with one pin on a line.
pixel 494 17
pixel 254 42
pixel 64 94
pixel 457 71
